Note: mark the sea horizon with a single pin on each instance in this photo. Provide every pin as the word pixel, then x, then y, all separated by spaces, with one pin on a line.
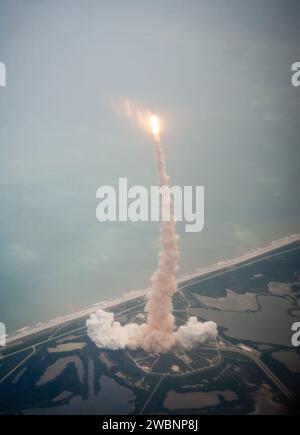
pixel 26 331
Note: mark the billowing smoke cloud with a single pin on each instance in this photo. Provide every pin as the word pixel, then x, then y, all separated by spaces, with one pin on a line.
pixel 158 334
pixel 195 332
pixel 109 334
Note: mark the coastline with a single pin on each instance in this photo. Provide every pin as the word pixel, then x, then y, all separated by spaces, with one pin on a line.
pixel 198 273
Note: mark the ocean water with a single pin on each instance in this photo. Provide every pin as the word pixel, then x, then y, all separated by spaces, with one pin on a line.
pixel 39 294
pixel 236 133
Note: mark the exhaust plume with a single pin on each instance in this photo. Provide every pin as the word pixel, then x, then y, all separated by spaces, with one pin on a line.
pixel 160 322
pixel 159 333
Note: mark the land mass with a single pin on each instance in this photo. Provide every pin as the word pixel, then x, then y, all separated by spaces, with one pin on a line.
pixel 250 368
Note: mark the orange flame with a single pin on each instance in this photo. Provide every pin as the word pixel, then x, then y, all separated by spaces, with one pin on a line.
pixel 155 125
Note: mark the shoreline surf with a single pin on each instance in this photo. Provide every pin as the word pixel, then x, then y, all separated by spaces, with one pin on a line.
pixel 194 275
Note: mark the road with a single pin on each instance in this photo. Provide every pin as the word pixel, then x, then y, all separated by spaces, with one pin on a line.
pixel 224 349
pixel 18 365
pixel 152 394
pixel 183 282
pixel 233 268
pixel 52 337
pixel 196 280
pixel 263 367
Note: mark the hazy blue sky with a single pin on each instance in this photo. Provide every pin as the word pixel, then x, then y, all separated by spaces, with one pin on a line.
pixel 217 71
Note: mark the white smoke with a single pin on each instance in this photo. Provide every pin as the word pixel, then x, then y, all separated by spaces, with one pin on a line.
pixel 109 334
pixel 195 332
pixel 158 333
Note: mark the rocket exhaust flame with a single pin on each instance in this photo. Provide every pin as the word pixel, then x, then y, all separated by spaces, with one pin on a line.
pixel 159 333
pixel 155 126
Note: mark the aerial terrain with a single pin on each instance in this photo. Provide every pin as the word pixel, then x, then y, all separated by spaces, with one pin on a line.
pixel 251 368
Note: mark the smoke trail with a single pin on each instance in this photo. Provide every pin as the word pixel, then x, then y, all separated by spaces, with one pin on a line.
pixel 160 322
pixel 158 334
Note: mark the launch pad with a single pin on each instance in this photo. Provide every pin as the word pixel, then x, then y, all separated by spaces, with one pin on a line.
pixel 178 361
